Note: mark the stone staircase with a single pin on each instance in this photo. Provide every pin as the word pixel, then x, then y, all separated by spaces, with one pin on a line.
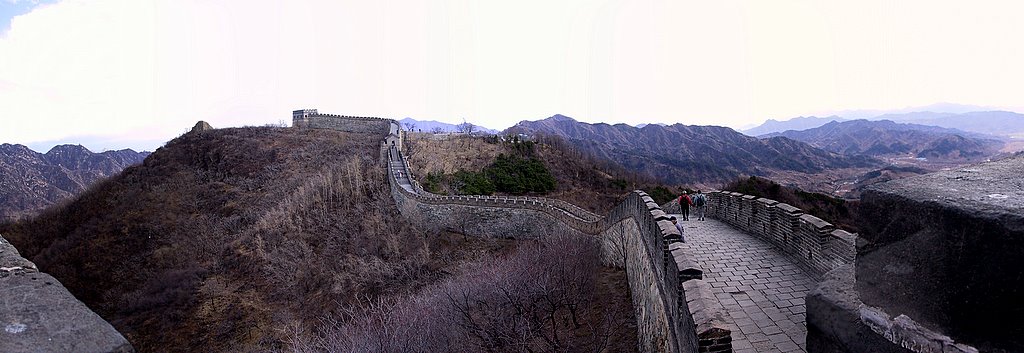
pixel 401 174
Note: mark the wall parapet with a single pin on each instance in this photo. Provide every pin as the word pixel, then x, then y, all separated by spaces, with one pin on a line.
pixel 633 236
pixel 812 242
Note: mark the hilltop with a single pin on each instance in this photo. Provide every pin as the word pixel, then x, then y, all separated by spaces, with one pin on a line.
pixel 798 123
pixel 31 181
pixel 222 238
pixel 584 180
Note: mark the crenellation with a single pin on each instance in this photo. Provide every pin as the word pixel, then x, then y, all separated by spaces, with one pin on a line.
pixel 806 238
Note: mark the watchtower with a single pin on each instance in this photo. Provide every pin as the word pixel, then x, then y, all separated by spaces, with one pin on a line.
pixel 301 117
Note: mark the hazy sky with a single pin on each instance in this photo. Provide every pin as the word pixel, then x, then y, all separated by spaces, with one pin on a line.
pixel 134 73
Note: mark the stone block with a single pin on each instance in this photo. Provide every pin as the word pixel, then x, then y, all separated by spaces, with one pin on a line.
pixel 712 322
pixel 38 314
pixel 785 207
pixel 944 250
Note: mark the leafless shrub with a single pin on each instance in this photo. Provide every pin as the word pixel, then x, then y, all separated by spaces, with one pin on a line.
pixel 538 299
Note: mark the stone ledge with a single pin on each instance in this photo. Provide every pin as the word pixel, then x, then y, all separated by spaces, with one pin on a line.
pixel 40 315
pixel 688 268
pixel 817 222
pixel 713 326
pixel 838 322
pixel 788 208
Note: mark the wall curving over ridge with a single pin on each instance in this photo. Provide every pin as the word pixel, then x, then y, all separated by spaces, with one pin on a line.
pixel 665 285
pixel 631 235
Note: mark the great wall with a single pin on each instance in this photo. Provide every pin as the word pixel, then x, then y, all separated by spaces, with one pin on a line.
pixel 760 276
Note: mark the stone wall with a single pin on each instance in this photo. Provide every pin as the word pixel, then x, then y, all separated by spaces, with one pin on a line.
pixel 665 284
pixel 40 315
pixel 344 123
pixel 815 244
pixel 944 249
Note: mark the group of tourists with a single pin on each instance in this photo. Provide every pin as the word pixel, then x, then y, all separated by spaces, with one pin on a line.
pixel 698 201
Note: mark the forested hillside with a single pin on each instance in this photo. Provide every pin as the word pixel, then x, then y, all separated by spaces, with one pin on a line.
pixel 270 239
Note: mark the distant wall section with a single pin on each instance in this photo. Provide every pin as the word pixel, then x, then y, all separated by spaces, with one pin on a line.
pixel 343 123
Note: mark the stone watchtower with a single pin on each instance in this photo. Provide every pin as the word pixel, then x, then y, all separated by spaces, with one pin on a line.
pixel 300 118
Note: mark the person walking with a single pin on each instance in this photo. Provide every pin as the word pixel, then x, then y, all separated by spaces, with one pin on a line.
pixel 700 202
pixel 679 227
pixel 684 205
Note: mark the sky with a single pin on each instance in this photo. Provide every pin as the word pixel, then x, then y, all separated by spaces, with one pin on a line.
pixel 113 74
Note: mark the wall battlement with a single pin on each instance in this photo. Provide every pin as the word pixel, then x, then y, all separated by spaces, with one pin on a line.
pixel 816 244
pixel 360 124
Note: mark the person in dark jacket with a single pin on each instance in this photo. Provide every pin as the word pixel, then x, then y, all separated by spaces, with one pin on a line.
pixel 684 205
pixel 679 227
pixel 701 203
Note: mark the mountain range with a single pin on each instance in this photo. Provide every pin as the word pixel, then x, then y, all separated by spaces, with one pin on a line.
pixel 31 181
pixel 437 126
pixel 884 137
pixel 1000 123
pixel 799 123
pixel 690 154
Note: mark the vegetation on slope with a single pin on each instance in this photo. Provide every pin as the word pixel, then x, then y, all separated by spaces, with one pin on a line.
pixel 839 212
pixel 517 173
pixel 250 239
pixel 544 297
pixel 460 165
pixel 222 239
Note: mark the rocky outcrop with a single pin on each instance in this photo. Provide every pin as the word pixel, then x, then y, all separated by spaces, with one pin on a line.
pixel 201 126
pixel 40 315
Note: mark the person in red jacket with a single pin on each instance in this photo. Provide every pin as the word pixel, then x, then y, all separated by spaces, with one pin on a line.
pixel 684 204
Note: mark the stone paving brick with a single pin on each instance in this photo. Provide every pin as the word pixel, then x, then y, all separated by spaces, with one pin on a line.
pixel 760 287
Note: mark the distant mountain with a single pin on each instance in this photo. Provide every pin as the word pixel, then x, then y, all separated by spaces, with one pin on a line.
pixel 798 123
pixel 951 108
pixel 690 154
pixel 1001 123
pixel 642 125
pixel 432 126
pixel 879 138
pixel 31 181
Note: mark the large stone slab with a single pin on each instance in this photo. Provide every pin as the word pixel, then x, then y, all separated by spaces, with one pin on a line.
pixel 944 249
pixel 37 314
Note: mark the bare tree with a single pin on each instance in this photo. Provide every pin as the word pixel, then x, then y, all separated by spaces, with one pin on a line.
pixel 409 126
pixel 466 127
pixel 437 130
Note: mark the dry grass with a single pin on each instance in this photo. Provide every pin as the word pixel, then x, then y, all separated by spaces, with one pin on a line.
pixel 427 155
pixel 590 183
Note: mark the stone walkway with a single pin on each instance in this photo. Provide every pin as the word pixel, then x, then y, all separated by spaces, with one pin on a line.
pixel 761 288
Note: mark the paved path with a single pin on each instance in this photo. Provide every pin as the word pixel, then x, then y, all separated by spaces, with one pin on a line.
pixel 761 288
